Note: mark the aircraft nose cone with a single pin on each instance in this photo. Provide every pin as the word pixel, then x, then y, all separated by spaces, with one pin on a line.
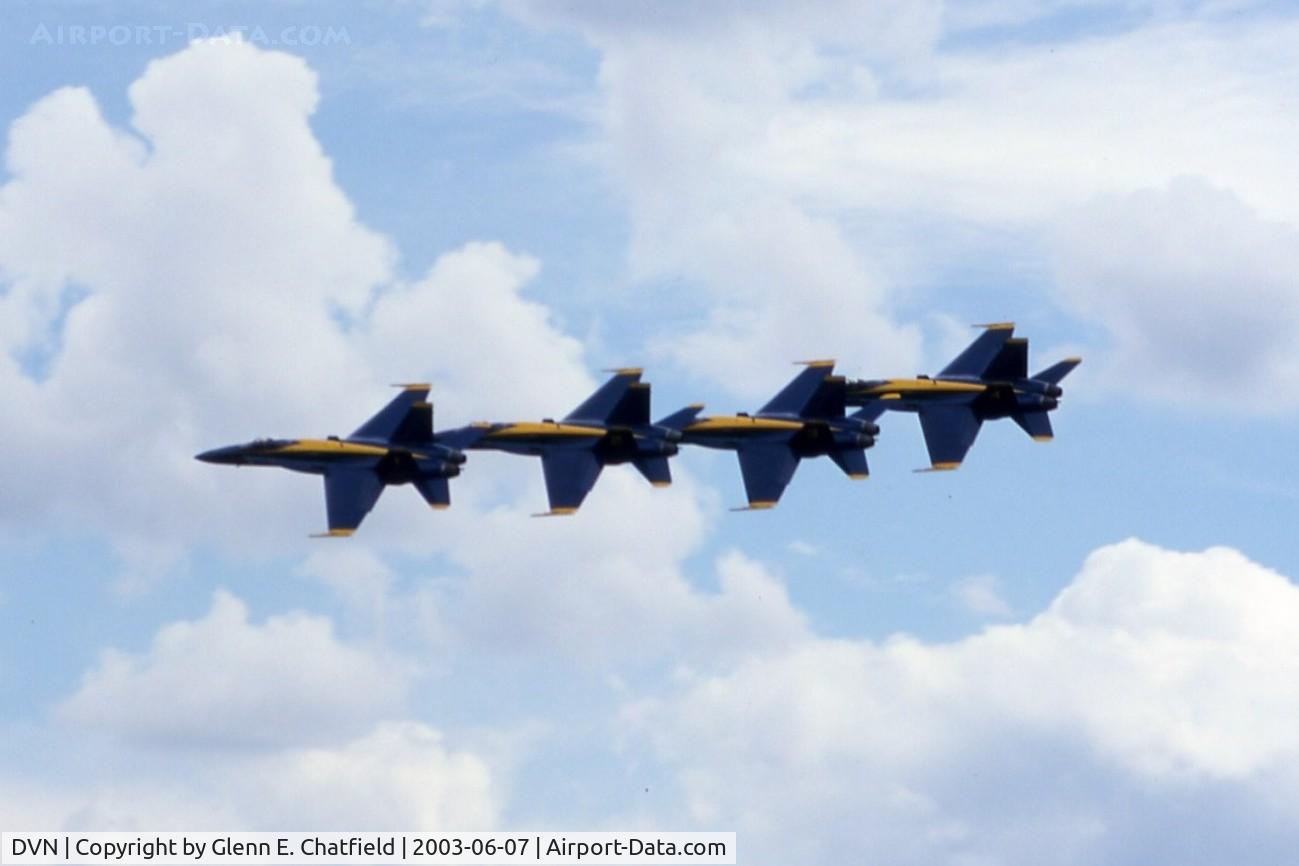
pixel 227 455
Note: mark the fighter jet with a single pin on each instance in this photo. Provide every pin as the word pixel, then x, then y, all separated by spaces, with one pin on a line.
pixel 806 419
pixel 396 446
pixel 988 380
pixel 612 426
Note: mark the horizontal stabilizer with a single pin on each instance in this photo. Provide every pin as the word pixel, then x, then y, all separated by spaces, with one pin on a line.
pixel 570 475
pixel 794 398
pixel 871 411
pixel 1056 372
pixel 463 437
pixel 408 417
pixel 435 489
pixel 681 418
pixel 852 461
pixel 979 354
pixel 767 468
pixel 350 493
pixel 949 431
pixel 602 404
pixel 655 469
pixel 1036 424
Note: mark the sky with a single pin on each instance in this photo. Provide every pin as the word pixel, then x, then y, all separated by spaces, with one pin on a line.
pixel 225 221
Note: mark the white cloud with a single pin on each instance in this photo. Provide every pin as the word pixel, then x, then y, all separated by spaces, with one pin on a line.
pixel 601 589
pixel 803 168
pixel 224 681
pixel 980 594
pixel 1157 680
pixel 400 775
pixel 684 99
pixel 1195 289
pixel 200 279
pixel 394 776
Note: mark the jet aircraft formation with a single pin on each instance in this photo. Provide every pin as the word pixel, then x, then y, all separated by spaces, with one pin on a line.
pixel 807 418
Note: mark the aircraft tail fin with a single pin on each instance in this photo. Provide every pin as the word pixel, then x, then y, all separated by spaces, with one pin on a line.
pixel 602 404
pixel 408 417
pixel 1056 372
pixel 633 410
pixel 795 397
pixel 655 469
pixel 435 489
pixel 852 461
pixel 977 356
pixel 1011 363
pixel 1036 424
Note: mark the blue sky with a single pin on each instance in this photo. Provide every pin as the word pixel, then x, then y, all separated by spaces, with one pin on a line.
pixel 1089 644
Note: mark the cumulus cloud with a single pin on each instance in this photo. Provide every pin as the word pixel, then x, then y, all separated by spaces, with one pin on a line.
pixel 200 278
pixel 980 594
pixel 1158 681
pixel 1195 289
pixel 685 97
pixel 763 154
pixel 224 681
pixel 394 776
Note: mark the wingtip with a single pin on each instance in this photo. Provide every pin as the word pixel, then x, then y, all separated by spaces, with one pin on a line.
pixel 556 512
pixel 760 505
pixel 995 326
pixel 818 362
pixel 859 476
pixel 625 371
pixel 412 386
pixel 660 483
pixel 939 467
pixel 1043 438
pixel 334 533
pixel 439 506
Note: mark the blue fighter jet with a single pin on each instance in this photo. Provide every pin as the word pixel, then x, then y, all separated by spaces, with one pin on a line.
pixel 612 426
pixel 806 419
pixel 987 381
pixel 396 446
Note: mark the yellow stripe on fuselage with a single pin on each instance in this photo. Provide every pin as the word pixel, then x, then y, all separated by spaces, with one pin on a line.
pixel 740 423
pixel 330 447
pixel 529 430
pixel 911 387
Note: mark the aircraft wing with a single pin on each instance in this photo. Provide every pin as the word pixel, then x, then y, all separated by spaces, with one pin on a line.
pixel 408 417
pixel 949 431
pixel 767 468
pixel 570 475
pixel 980 354
pixel 350 493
